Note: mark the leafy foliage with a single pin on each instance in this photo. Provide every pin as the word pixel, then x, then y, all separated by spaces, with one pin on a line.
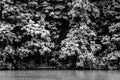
pixel 66 34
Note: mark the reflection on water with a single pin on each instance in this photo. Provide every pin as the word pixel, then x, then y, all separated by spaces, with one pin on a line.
pixel 59 75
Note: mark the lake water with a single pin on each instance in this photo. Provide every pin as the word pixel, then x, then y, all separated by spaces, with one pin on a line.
pixel 59 75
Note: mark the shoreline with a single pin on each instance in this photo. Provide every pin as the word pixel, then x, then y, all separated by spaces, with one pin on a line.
pixel 53 68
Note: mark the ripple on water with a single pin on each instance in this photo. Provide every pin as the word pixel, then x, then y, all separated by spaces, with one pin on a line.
pixel 59 75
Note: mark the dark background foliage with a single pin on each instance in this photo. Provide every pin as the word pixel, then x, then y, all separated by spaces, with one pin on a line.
pixel 64 34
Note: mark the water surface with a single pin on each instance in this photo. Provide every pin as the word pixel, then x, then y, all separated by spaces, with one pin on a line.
pixel 59 75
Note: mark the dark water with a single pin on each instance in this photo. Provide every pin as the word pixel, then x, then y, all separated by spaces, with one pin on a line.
pixel 59 75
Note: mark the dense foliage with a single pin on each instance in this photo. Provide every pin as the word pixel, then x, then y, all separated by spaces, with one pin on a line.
pixel 65 34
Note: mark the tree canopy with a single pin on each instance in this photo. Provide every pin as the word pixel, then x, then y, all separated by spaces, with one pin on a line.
pixel 65 34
